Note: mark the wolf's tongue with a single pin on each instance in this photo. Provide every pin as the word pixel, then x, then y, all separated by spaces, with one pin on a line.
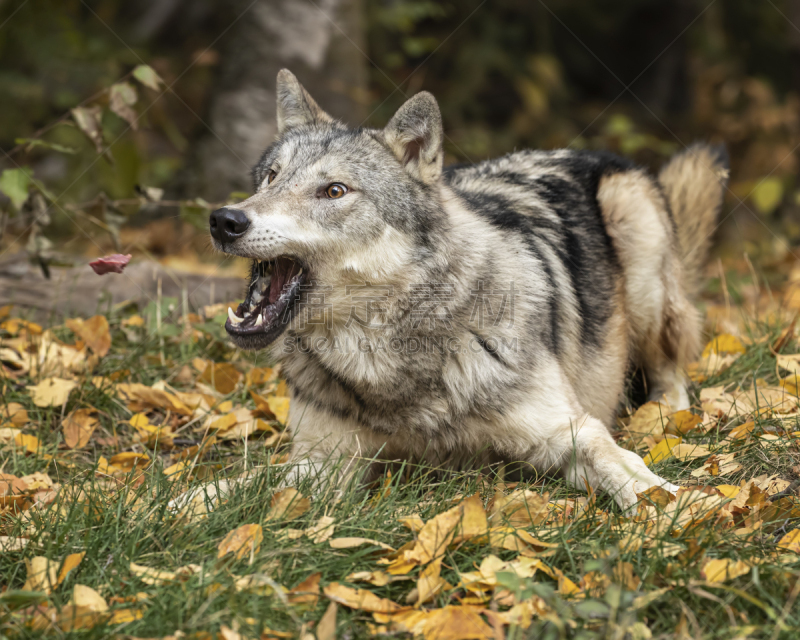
pixel 281 274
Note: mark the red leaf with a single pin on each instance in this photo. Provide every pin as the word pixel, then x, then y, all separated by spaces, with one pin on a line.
pixel 110 264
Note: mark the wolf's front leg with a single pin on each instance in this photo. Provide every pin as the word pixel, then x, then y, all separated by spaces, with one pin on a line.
pixel 596 458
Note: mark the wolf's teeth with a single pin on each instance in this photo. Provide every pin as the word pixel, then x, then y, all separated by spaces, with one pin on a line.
pixel 233 317
pixel 259 320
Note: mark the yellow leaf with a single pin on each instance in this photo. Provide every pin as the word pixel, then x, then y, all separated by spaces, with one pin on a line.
pixel 224 423
pixel 767 194
pixel 279 407
pixel 70 562
pixel 177 468
pixel 156 577
pixel 724 569
pixel 789 362
pixel 351 543
pixel 682 422
pixel 456 623
pixel 223 376
pixel 139 420
pixel 83 596
pixel 791 541
pixel 377 578
pixel 121 616
pixel 722 344
pixel 360 599
pixel 52 392
pixel 78 427
pixel 31 443
pixel 288 504
pixel 94 332
pixel 326 627
pixel 728 490
pixel 434 538
pixel 412 522
pixel 42 574
pixel 321 531
pixel 86 609
pixel 473 520
pixel 661 451
pixel 430 583
pixel 242 541
pixel 520 508
pixel 15 413
pixel 649 420
pixel 130 459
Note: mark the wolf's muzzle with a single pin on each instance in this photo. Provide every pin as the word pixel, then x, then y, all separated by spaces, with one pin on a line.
pixel 227 225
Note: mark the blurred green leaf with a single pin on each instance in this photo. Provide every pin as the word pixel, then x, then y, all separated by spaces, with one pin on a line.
pixel 767 195
pixel 147 76
pixel 14 183
pixel 30 143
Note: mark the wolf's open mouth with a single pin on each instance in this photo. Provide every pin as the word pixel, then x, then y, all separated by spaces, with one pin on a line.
pixel 274 291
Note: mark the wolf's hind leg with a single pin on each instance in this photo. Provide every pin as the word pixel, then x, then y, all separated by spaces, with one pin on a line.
pixel 598 460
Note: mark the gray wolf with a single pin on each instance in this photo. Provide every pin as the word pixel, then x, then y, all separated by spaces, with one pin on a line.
pixel 467 314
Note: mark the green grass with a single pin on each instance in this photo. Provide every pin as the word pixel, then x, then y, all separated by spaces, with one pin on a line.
pixel 116 522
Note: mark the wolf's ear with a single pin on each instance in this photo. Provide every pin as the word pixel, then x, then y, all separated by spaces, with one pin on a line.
pixel 414 134
pixel 295 106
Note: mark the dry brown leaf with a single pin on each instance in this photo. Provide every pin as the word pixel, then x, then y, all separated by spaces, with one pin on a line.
pixel 223 376
pixel 78 427
pixel 360 599
pixel 649 420
pixel 412 522
pixel 474 522
pixel 520 508
pixel 376 578
pixel 307 592
pixel 718 465
pixel 52 392
pixel 94 332
pixel 351 543
pixel 683 422
pixel 15 413
pixel 243 541
pixel 288 504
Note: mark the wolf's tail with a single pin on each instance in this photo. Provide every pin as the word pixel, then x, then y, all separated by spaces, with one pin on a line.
pixel 694 182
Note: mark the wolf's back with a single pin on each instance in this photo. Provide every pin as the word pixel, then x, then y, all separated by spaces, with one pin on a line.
pixel 694 183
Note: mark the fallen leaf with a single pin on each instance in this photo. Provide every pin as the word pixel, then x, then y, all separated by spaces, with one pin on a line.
pixel 722 344
pixel 520 508
pixel 649 420
pixel 307 592
pixel 279 407
pixel 69 563
pixel 223 376
pixel 457 623
pixel 326 627
pixel 430 583
pixel 287 504
pixel 152 576
pixel 376 578
pixel 42 574
pixel 52 392
pixel 791 541
pixel 78 427
pixel 10 543
pixel 351 543
pixel 360 599
pixel 434 538
pixel 662 450
pixel 243 541
pixel 29 442
pixel 94 332
pixel 86 609
pixel 322 531
pixel 15 413
pixel 724 569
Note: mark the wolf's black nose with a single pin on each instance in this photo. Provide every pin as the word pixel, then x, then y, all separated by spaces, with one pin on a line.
pixel 228 224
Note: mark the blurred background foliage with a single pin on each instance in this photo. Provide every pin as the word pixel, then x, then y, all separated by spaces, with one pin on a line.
pixel 111 108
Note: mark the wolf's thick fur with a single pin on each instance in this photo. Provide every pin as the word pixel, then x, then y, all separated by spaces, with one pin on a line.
pixel 595 259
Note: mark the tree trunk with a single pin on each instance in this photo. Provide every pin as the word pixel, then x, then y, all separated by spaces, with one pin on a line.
pixel 320 41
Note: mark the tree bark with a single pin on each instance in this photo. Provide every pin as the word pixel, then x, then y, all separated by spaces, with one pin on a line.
pixel 320 41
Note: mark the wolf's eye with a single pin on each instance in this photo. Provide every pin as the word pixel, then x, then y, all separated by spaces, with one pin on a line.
pixel 271 176
pixel 335 190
